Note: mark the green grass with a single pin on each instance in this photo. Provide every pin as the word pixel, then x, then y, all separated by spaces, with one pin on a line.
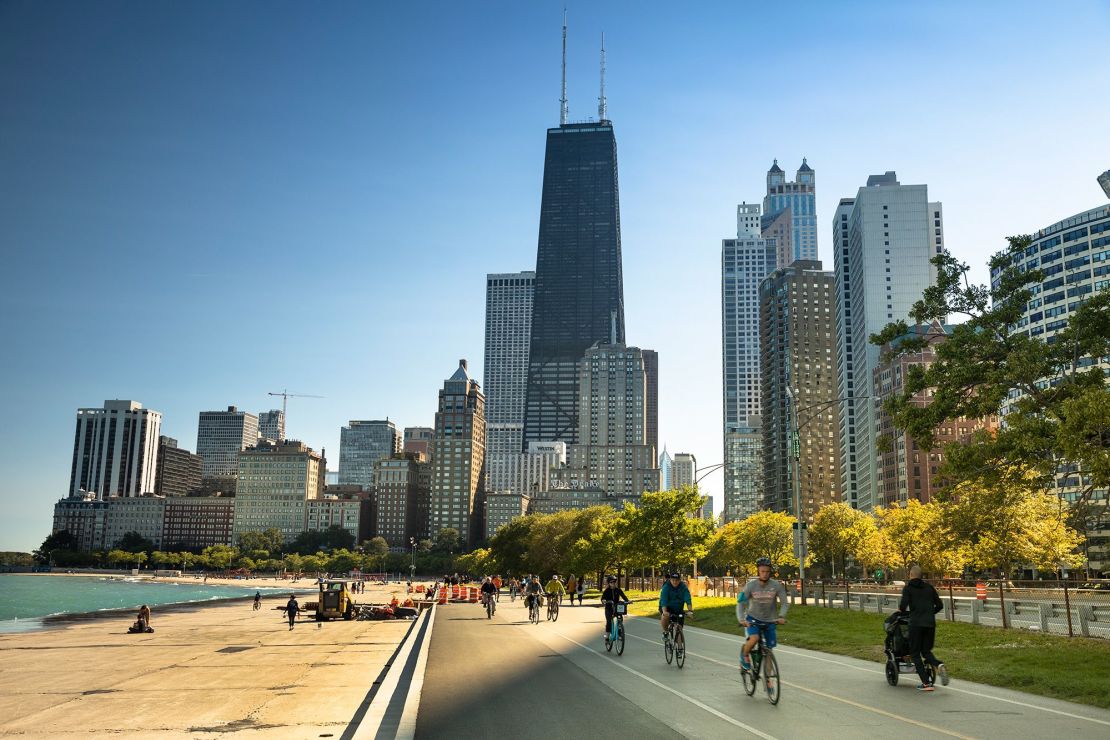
pixel 1073 669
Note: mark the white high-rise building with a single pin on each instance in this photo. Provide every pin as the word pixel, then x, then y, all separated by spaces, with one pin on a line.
pixel 221 436
pixel 271 425
pixel 683 470
pixel 665 462
pixel 884 240
pixel 508 336
pixel 115 450
pixel 745 261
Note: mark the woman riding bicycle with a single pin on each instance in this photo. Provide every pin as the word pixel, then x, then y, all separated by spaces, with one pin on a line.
pixel 610 597
pixel 759 596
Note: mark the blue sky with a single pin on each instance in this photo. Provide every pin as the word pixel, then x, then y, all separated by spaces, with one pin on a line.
pixel 204 202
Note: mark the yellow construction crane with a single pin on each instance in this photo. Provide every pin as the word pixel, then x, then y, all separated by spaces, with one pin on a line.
pixel 285 396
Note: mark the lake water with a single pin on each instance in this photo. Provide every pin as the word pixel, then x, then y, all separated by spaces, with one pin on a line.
pixel 26 599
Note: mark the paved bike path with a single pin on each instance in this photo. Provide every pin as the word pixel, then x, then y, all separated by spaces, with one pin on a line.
pixel 823 695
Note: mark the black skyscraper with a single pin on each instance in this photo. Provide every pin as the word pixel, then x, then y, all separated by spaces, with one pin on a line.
pixel 579 291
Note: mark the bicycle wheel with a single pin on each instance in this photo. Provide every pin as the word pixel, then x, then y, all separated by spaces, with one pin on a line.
pixel 668 648
pixel 749 678
pixel 620 638
pixel 771 675
pixel 555 612
pixel 680 649
pixel 608 643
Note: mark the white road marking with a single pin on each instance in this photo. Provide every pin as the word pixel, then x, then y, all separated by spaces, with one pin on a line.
pixel 372 721
pixel 406 728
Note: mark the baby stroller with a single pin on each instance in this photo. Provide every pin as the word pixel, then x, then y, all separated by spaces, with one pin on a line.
pixel 897 648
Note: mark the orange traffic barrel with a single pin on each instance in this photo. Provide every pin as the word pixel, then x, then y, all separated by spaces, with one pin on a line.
pixel 981 591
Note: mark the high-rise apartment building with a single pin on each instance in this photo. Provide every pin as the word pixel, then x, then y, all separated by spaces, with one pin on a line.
pixel 666 481
pixel 276 479
pixel 651 400
pixel 221 436
pixel 800 197
pixel 579 293
pixel 458 457
pixel 884 240
pixel 419 440
pixel 115 450
pixel 799 388
pixel 502 508
pixel 745 261
pixel 196 522
pixel 611 454
pixel 179 471
pixel 508 335
pixel 271 425
pixel 362 444
pixel 684 470
pixel 141 515
pixel 403 495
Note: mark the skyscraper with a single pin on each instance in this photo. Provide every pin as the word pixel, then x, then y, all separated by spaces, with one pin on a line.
pixel 271 425
pixel 885 238
pixel 458 457
pixel 685 467
pixel 115 450
pixel 275 482
pixel 508 333
pixel 362 444
pixel 221 436
pixel 179 471
pixel 579 293
pixel 800 197
pixel 666 481
pixel 745 261
pixel 419 439
pixel 651 400
pixel 799 387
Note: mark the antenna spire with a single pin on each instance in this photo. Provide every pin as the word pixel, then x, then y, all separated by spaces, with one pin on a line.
pixel 602 106
pixel 563 99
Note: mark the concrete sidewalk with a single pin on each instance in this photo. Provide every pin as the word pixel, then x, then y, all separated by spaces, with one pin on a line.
pixel 221 670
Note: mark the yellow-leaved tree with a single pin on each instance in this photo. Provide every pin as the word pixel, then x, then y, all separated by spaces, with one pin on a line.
pixel 766 534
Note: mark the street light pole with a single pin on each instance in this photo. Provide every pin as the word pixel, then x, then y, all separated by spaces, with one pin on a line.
pixel 796 450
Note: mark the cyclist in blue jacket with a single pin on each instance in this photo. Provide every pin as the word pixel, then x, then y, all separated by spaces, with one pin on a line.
pixel 674 595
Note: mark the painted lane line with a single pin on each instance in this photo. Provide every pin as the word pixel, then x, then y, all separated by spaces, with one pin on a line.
pixel 931 728
pixel 809 656
pixel 692 700
pixel 375 714
pixel 406 728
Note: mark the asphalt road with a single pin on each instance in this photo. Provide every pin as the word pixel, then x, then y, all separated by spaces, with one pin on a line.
pixel 508 678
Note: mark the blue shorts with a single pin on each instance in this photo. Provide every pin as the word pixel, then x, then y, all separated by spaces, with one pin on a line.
pixel 755 625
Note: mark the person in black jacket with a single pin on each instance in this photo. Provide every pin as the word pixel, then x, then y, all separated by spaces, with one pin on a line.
pixel 609 597
pixel 922 601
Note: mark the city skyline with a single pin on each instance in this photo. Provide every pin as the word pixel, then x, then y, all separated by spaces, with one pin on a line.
pixel 126 181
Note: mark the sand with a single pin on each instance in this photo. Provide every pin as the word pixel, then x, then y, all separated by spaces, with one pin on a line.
pixel 221 669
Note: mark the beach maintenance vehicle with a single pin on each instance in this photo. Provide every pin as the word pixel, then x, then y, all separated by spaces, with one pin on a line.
pixel 334 602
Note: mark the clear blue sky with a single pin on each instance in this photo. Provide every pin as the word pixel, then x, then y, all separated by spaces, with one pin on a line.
pixel 203 202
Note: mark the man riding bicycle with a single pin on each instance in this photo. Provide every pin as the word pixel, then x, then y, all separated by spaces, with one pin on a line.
pixel 532 591
pixel 610 597
pixel 555 588
pixel 672 597
pixel 759 596
pixel 488 590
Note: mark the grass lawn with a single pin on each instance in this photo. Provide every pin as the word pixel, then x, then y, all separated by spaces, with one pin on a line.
pixel 1074 669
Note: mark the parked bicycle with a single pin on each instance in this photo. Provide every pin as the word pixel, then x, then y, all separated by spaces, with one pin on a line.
pixel 615 635
pixel 552 607
pixel 764 666
pixel 674 641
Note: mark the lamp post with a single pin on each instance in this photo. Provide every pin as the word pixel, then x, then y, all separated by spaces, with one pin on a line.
pixel 412 567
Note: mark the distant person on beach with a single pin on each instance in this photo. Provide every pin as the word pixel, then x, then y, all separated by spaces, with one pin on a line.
pixel 142 623
pixel 291 609
pixel 257 600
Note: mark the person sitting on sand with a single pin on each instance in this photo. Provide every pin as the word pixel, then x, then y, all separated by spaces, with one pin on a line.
pixel 144 616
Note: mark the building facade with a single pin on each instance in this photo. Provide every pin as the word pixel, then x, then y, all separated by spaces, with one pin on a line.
pixel 885 237
pixel 402 498
pixel 221 436
pixel 142 515
pixel 276 480
pixel 271 425
pixel 579 290
pixel 745 261
pixel 458 457
pixel 362 444
pixel 508 336
pixel 115 450
pixel 800 197
pixel 799 388
pixel 665 464
pixel 419 440
pixel 179 471
pixel 502 508
pixel 351 511
pixel 651 399
pixel 684 470
pixel 85 517
pixel 196 522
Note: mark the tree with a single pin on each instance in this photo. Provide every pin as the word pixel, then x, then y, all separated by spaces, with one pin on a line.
pixel 476 563
pixel 220 556
pixel 376 547
pixel 11 559
pixel 595 547
pixel 293 562
pixel 135 542
pixel 334 537
pixel 424 546
pixel 839 532
pixel 664 529
pixel 343 561
pixel 269 542
pixel 448 540
pixel 120 558
pixel 1062 416
pixel 510 545
pixel 912 534
pixel 161 559
pixel 764 534
pixel 63 539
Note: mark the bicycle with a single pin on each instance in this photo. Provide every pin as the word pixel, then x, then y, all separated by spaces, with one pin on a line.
pixel 534 609
pixel 674 642
pixel 552 607
pixel 763 661
pixel 615 636
pixel 257 605
pixel 490 606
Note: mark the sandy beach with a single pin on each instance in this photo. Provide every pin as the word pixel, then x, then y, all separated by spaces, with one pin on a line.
pixel 303 583
pixel 211 669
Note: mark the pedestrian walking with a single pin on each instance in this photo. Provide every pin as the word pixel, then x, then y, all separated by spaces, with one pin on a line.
pixel 921 600
pixel 572 588
pixel 291 609
pixel 581 587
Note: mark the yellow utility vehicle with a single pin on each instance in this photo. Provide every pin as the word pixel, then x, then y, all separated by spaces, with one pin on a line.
pixel 335 601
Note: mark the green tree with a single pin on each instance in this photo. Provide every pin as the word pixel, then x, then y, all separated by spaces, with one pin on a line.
pixel 334 537
pixel 764 534
pixel 164 560
pixel 134 542
pixel 915 533
pixel 293 562
pixel 837 533
pixel 595 547
pixel 476 563
pixel 220 557
pixel 16 559
pixel 343 561
pixel 269 542
pixel 448 540
pixel 664 529
pixel 424 546
pixel 376 547
pixel 510 545
pixel 62 540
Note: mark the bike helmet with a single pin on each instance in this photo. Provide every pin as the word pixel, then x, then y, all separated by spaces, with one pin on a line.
pixel 675 574
pixel 763 561
pixel 611 579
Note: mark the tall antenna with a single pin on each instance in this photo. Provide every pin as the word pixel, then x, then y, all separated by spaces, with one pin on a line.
pixel 563 100
pixel 602 106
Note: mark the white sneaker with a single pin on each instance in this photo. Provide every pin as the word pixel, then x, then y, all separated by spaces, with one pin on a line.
pixel 943 673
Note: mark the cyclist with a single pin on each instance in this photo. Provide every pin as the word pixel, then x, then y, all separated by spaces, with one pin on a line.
pixel 755 608
pixel 532 591
pixel 555 588
pixel 497 583
pixel 488 590
pixel 257 600
pixel 609 597
pixel 672 597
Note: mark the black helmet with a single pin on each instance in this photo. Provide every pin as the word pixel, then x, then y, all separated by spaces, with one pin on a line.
pixel 675 574
pixel 763 561
pixel 611 579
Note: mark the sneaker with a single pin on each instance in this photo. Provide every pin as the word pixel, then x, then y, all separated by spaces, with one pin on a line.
pixel 924 687
pixel 943 673
pixel 745 665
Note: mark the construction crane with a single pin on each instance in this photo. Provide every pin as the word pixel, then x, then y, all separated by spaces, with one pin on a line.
pixel 285 396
